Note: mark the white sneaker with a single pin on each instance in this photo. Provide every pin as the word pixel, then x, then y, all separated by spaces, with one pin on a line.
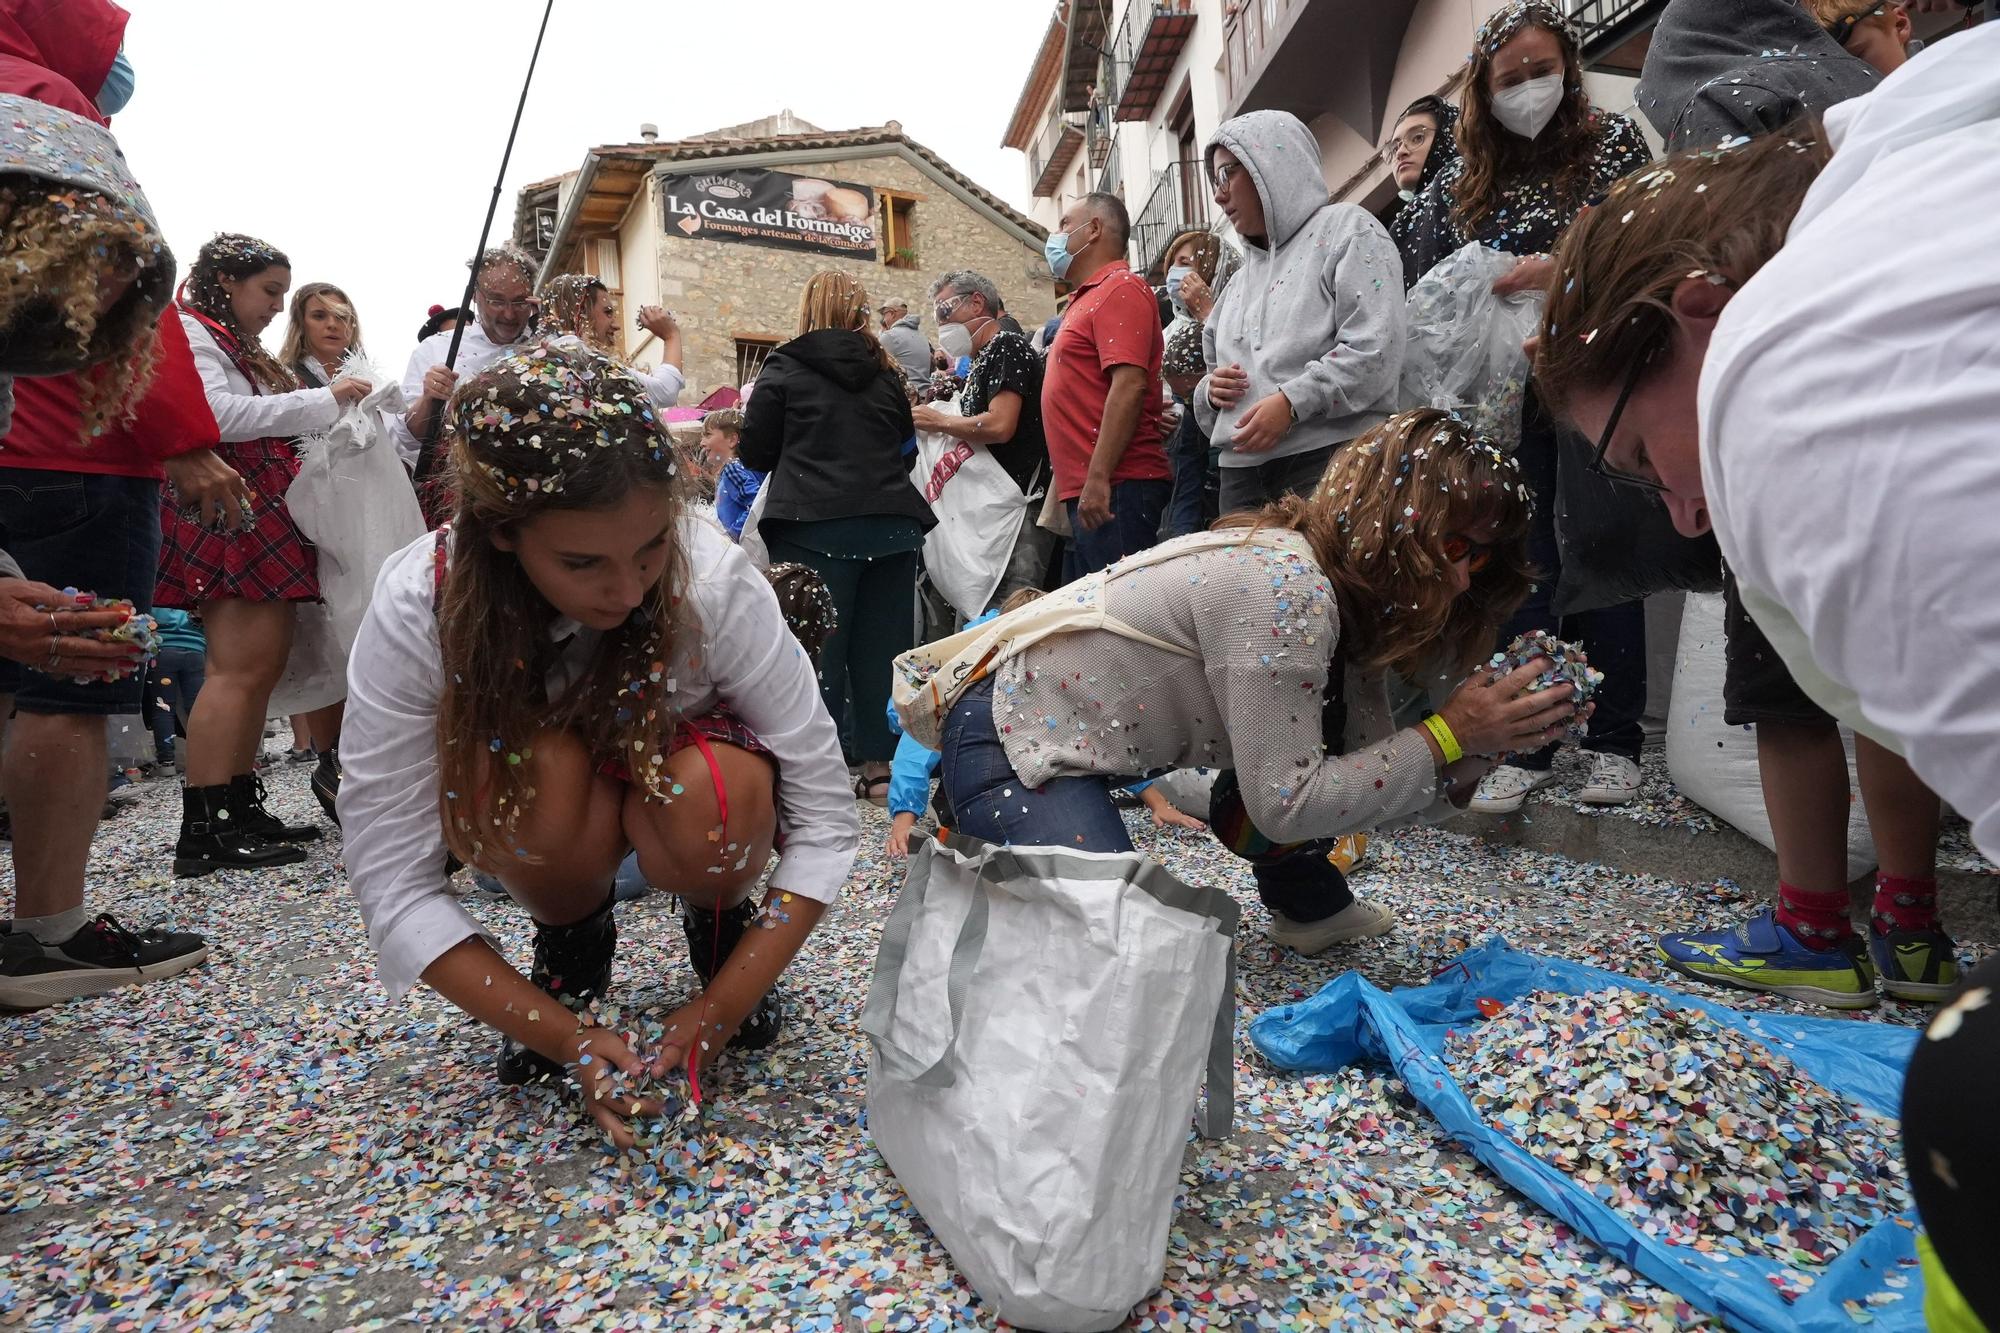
pixel 1502 791
pixel 1356 921
pixel 1614 781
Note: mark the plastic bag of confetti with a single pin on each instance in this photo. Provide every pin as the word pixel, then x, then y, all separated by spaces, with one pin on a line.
pixel 978 508
pixel 1464 352
pixel 1042 1023
pixel 1874 1279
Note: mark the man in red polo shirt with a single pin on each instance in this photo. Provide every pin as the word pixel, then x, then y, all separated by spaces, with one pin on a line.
pixel 1101 399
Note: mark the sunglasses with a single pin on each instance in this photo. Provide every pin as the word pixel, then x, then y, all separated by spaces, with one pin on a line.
pixel 1842 29
pixel 1477 555
pixel 1598 464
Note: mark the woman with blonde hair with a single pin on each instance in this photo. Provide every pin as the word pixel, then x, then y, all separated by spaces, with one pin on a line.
pixel 1242 654
pixel 579 305
pixel 831 426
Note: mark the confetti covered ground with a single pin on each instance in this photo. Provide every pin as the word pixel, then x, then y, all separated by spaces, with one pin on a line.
pixel 268 1143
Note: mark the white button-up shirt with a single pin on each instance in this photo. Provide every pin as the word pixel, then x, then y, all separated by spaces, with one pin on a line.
pixel 743 656
pixel 1850 426
pixel 243 413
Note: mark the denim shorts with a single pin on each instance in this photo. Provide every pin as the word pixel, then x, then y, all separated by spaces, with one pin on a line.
pixel 992 802
pixel 80 530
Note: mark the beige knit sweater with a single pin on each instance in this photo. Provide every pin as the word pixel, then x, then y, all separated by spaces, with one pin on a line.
pixel 1260 621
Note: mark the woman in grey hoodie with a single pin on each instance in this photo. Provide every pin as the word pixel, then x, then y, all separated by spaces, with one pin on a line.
pixel 1305 344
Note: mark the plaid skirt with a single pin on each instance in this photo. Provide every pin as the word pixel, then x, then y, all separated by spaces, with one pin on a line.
pixel 269 561
pixel 720 727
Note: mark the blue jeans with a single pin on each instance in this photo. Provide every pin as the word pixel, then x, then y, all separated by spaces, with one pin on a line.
pixel 1188 452
pixel 992 802
pixel 178 674
pixel 1134 526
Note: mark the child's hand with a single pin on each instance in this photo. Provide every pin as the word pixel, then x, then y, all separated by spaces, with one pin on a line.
pixel 597 1054
pixel 1166 814
pixel 899 834
pixel 702 1025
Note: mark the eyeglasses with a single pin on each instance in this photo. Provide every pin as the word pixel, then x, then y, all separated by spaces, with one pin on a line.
pixel 1597 461
pixel 946 307
pixel 1414 140
pixel 1223 172
pixel 1477 555
pixel 1842 29
pixel 492 302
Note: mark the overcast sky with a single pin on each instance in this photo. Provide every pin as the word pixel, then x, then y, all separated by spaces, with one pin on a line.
pixel 363 140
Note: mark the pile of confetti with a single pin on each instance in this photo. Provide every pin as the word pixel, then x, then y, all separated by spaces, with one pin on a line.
pixel 268 1142
pixel 1705 1136
pixel 1568 665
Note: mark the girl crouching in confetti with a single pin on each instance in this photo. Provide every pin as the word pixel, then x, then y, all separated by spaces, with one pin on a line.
pixel 1404 560
pixel 566 672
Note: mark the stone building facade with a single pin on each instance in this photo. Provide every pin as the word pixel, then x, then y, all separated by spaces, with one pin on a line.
pixel 736 299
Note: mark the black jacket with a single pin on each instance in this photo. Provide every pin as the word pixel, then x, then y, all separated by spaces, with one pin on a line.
pixel 828 421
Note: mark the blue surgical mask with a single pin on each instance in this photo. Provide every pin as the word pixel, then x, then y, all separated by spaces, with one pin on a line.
pixel 117 90
pixel 1056 251
pixel 1176 275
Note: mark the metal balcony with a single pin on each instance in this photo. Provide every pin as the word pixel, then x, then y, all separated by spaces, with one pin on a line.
pixel 1053 150
pixel 1179 199
pixel 1616 33
pixel 1149 44
pixel 1098 136
pixel 1315 57
pixel 1084 50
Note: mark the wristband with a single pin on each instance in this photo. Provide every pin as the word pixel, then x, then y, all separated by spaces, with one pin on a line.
pixel 1440 731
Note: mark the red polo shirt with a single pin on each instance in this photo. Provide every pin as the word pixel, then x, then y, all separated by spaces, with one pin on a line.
pixel 1112 320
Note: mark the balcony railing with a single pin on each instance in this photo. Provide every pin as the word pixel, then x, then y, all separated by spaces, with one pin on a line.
pixel 1150 40
pixel 1179 199
pixel 1098 136
pixel 1111 179
pixel 1606 26
pixel 1248 39
pixel 1050 155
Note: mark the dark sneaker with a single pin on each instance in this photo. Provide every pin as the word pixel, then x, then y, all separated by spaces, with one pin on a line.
pixel 246 807
pixel 298 756
pixel 103 956
pixel 573 964
pixel 712 936
pixel 1762 955
pixel 211 840
pixel 326 783
pixel 1919 965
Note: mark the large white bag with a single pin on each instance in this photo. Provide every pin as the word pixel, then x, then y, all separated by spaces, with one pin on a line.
pixel 1714 764
pixel 1042 1023
pixel 1463 350
pixel 354 502
pixel 978 508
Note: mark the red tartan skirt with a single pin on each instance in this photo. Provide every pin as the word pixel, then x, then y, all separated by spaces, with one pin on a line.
pixel 270 561
pixel 720 727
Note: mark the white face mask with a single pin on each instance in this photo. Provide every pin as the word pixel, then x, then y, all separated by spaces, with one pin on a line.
pixel 955 339
pixel 1527 108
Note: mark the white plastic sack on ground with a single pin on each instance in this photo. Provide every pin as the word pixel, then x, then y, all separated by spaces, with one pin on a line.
pixel 978 508
pixel 1714 764
pixel 1042 1022
pixel 1464 349
pixel 355 504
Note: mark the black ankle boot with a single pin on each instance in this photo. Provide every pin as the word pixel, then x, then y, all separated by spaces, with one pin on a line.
pixel 326 782
pixel 212 838
pixel 573 964
pixel 246 807
pixel 711 938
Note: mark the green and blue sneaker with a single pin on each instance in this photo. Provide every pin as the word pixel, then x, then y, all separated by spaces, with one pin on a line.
pixel 1918 965
pixel 1762 955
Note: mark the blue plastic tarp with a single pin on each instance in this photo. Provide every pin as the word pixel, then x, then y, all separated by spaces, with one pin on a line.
pixel 1351 1022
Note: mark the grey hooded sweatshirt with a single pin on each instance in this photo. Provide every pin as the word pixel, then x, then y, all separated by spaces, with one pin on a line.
pixel 1722 68
pixel 1315 312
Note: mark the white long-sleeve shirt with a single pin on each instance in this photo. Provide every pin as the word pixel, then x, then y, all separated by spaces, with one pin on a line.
pixel 241 412
pixel 1850 426
pixel 744 656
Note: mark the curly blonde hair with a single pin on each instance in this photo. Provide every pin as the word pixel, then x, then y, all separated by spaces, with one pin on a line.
pixel 53 263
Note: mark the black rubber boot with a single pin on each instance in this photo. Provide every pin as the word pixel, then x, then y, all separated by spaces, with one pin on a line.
pixel 711 938
pixel 212 838
pixel 326 782
pixel 573 964
pixel 246 807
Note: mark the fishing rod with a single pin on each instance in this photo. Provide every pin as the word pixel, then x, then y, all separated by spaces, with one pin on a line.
pixel 427 455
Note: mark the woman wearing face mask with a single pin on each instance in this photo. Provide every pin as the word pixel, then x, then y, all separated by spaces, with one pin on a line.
pixel 1533 151
pixel 1001 409
pixel 1197 264
pixel 1424 143
pixel 242 582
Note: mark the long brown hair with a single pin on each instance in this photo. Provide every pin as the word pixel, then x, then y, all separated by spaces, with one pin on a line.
pixel 294 352
pixel 566 302
pixel 1377 523
pixel 1495 156
pixel 236 256
pixel 1718 214
pixel 550 427
pixel 834 299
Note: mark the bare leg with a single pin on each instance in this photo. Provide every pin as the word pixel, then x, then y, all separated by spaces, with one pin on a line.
pixel 1804 773
pixel 1902 812
pixel 323 726
pixel 55 769
pixel 248 643
pixel 686 847
pixel 302 738
pixel 569 833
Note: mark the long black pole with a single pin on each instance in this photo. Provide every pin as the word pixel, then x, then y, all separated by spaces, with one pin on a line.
pixel 426 460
